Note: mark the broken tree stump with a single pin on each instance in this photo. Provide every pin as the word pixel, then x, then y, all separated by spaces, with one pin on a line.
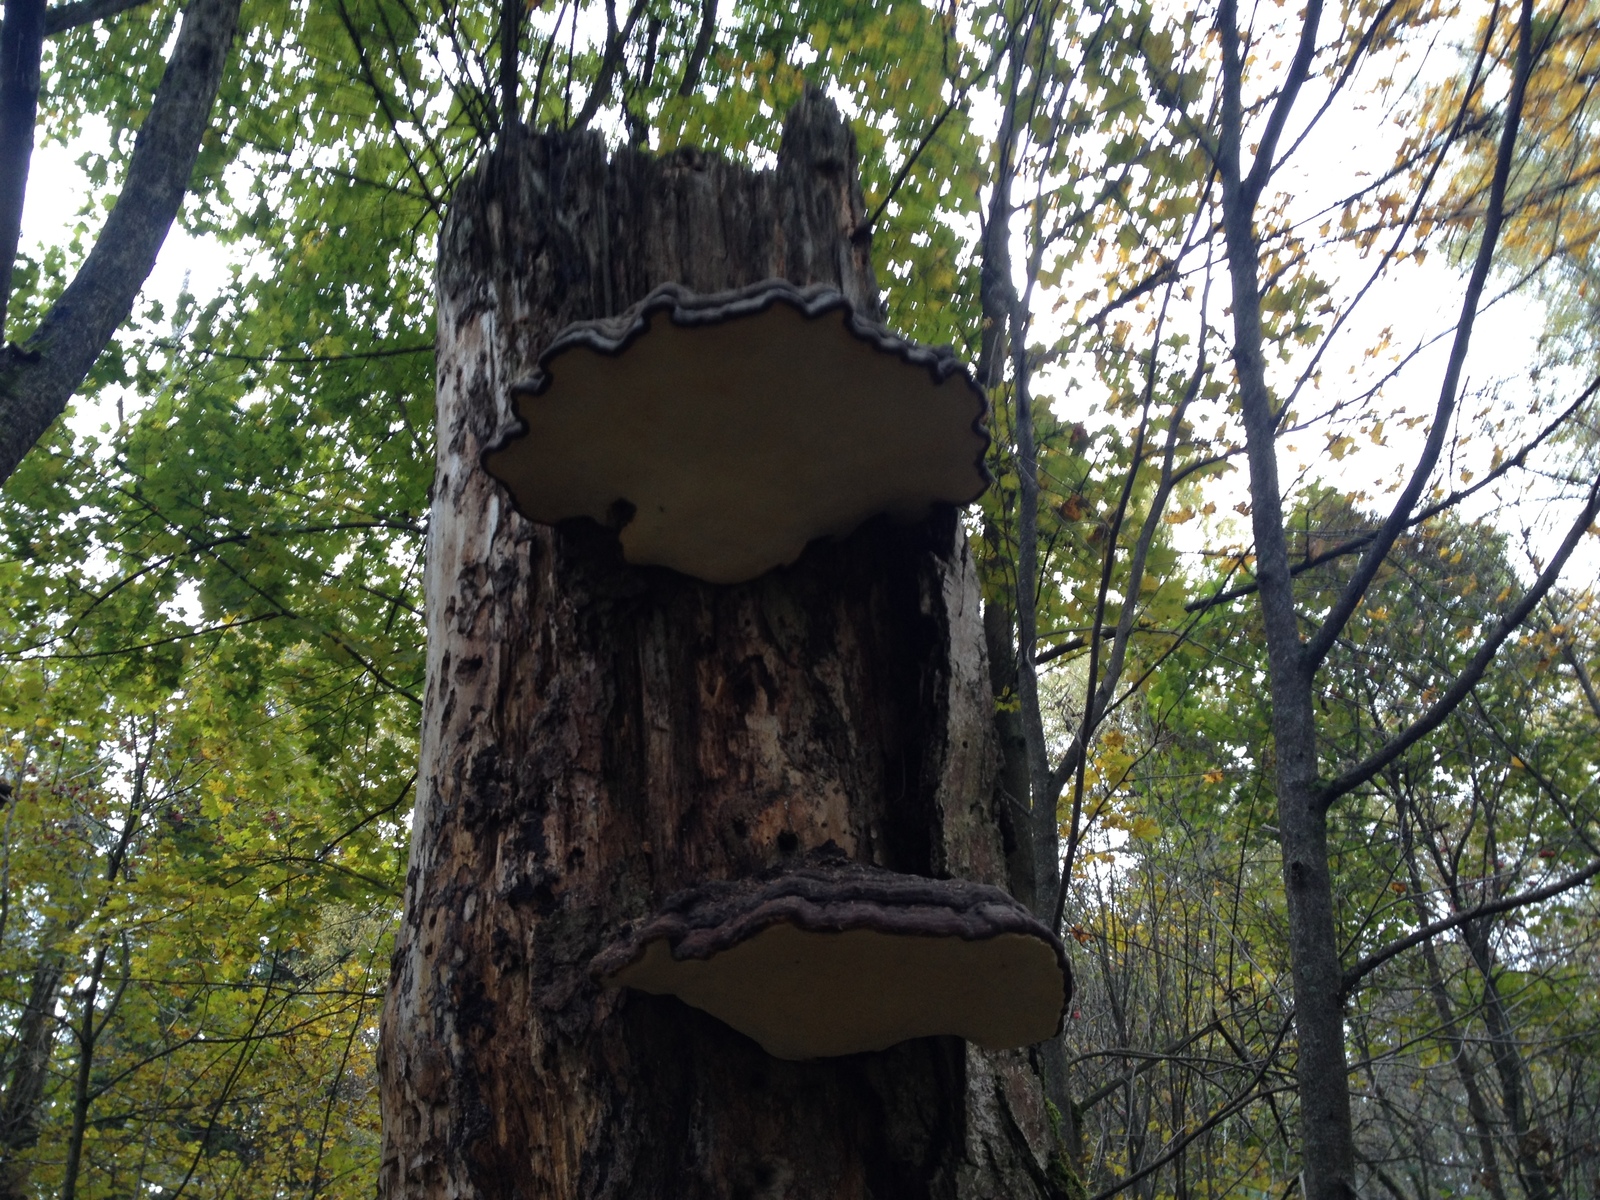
pixel 598 736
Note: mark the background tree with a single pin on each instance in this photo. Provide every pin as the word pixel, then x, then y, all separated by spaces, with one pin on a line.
pixel 64 341
pixel 1050 189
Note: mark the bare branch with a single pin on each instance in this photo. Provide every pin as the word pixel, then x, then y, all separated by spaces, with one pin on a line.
pixel 616 42
pixel 1299 72
pixel 1354 976
pixel 1248 1095
pixel 1473 672
pixel 1356 544
pixel 62 17
pixel 1316 649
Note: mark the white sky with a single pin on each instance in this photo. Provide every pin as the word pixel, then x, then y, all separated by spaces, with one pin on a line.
pixel 1416 300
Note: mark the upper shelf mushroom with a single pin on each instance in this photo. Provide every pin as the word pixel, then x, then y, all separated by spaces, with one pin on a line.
pixel 821 961
pixel 724 432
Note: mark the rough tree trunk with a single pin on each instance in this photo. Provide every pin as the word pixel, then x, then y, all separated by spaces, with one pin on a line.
pixel 597 736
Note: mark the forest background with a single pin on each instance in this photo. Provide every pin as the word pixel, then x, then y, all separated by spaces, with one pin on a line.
pixel 1287 319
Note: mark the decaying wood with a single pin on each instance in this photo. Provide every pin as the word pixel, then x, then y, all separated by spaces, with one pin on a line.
pixel 598 736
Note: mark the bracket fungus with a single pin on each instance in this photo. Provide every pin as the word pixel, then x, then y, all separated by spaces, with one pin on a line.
pixel 724 432
pixel 820 961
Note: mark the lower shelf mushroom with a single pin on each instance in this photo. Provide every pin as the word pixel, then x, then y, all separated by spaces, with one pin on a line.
pixel 821 961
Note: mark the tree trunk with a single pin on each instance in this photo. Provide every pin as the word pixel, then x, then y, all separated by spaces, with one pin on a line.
pixel 1327 1141
pixel 30 1071
pixel 21 46
pixel 1534 1150
pixel 597 736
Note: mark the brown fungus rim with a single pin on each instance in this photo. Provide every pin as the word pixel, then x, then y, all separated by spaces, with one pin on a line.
pixel 712 917
pixel 611 336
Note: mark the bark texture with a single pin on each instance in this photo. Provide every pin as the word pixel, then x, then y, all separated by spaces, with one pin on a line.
pixel 599 736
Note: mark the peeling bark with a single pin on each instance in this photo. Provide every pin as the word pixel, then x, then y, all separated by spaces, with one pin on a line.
pixel 598 736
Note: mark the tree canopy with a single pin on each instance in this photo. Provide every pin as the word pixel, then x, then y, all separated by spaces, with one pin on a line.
pixel 1288 566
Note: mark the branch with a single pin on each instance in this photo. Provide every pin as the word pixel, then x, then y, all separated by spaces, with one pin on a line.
pixel 1182 1142
pixel 1354 976
pixel 1316 649
pixel 1150 1059
pixel 1519 459
pixel 865 228
pixel 38 379
pixel 63 17
pixel 316 359
pixel 1299 72
pixel 1473 672
pixel 616 43
pixel 1570 653
pixel 1247 1096
pixel 702 47
pixel 389 115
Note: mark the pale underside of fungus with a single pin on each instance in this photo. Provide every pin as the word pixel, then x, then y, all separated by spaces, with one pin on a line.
pixel 722 433
pixel 817 962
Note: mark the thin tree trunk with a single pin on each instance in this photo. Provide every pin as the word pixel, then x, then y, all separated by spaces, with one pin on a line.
pixel 1014 782
pixel 21 45
pixel 1011 780
pixel 1327 1142
pixel 1024 797
pixel 1450 1027
pixel 1538 1181
pixel 597 736
pixel 19 1109
pixel 87 1034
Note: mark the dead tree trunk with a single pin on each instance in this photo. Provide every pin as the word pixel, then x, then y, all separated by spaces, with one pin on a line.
pixel 597 736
